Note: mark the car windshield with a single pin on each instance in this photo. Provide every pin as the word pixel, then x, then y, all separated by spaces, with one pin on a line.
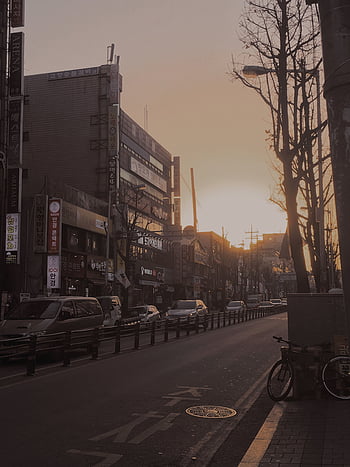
pixel 234 304
pixel 184 304
pixel 41 309
pixel 141 310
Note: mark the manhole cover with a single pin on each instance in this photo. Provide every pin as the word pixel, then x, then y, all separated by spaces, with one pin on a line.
pixel 210 411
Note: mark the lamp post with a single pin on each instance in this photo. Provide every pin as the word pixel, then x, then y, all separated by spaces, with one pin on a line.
pixel 252 71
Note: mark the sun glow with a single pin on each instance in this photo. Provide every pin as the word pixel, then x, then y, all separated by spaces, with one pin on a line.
pixel 237 210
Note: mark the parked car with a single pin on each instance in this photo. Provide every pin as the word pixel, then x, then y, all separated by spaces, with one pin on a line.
pixel 187 308
pixel 265 304
pixel 236 306
pixel 147 313
pixel 111 307
pixel 47 315
pixel 276 301
pixel 253 302
pixel 130 319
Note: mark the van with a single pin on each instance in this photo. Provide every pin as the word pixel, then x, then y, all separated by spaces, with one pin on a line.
pixel 47 315
pixel 112 309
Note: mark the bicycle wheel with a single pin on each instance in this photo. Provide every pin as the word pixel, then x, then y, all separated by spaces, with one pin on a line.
pixel 280 380
pixel 336 376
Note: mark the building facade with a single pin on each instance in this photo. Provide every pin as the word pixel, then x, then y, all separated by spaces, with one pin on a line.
pixel 76 133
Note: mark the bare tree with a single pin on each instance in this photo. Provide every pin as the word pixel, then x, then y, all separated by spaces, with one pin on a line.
pixel 131 224
pixel 280 37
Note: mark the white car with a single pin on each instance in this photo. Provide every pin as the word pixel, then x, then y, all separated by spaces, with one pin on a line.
pixel 276 301
pixel 147 313
pixel 266 304
pixel 236 306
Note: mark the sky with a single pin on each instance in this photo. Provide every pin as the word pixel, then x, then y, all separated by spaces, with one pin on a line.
pixel 175 57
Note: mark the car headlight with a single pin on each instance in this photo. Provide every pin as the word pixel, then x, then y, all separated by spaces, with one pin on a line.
pixel 38 334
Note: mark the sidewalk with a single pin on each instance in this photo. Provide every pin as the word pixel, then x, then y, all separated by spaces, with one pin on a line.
pixel 303 433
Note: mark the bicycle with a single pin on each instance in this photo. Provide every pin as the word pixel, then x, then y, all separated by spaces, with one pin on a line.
pixel 334 376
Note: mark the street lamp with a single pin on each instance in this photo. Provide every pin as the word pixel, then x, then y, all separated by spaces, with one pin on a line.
pixel 254 71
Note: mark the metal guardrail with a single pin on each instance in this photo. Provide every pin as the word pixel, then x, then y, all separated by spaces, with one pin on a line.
pixel 63 344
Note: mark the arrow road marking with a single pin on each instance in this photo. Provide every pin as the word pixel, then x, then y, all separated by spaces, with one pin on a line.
pixel 108 458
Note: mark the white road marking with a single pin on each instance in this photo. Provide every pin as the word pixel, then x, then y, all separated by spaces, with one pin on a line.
pixel 204 450
pixel 108 458
pixel 124 431
pixel 193 391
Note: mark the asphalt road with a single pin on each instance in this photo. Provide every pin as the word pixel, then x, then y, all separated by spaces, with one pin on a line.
pixel 130 409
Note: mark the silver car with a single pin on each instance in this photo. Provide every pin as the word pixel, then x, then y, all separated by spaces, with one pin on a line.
pixel 236 306
pixel 185 309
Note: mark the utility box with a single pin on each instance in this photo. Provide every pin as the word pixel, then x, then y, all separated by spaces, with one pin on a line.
pixel 315 319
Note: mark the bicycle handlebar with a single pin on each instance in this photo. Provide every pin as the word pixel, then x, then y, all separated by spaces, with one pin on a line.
pixel 304 347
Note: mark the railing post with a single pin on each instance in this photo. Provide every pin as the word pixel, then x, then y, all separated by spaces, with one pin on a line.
pixel 166 330
pixel 153 332
pixel 212 321
pixel 117 338
pixel 229 317
pixel 196 324
pixel 205 325
pixel 31 357
pixel 218 322
pixel 188 326
pixel 66 348
pixel 178 328
pixel 137 336
pixel 95 343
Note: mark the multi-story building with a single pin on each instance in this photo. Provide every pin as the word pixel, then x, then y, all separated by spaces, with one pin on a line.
pixel 76 132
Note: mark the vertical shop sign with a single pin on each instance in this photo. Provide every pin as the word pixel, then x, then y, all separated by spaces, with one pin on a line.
pixel 14 190
pixel 40 224
pixel 53 272
pixel 15 131
pixel 54 226
pixel 16 64
pixel 115 83
pixel 12 238
pixel 17 13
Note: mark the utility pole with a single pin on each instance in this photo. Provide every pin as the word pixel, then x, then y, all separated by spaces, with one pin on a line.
pixel 194 203
pixel 4 34
pixel 335 29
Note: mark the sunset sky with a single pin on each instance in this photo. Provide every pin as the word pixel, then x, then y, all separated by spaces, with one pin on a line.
pixel 174 58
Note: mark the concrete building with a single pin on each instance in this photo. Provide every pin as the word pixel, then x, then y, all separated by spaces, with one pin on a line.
pixel 76 132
